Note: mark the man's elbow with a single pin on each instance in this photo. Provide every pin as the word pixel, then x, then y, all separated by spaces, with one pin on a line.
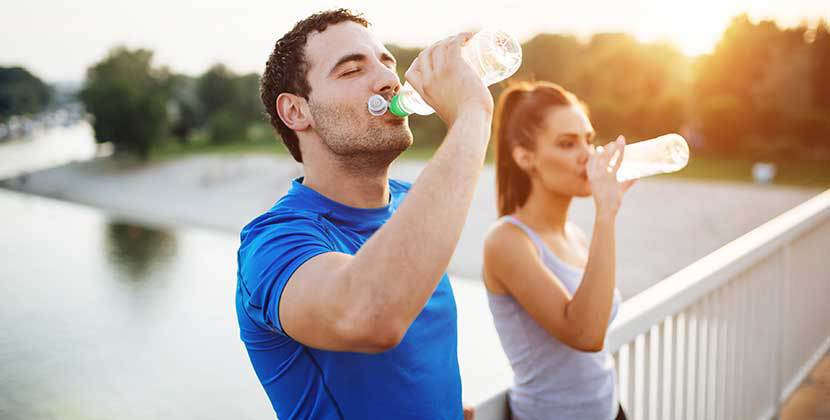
pixel 388 339
pixel 375 334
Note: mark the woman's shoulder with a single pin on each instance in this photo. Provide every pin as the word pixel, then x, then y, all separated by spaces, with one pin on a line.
pixel 501 245
pixel 506 244
pixel 502 235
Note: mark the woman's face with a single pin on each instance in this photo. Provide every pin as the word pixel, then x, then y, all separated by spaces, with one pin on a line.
pixel 557 164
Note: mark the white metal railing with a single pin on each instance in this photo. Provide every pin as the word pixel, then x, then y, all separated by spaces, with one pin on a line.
pixel 730 336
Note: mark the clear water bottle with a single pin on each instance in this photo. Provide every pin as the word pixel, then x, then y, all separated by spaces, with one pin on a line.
pixel 494 55
pixel 664 154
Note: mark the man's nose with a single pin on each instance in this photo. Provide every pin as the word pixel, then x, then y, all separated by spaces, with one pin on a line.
pixel 387 82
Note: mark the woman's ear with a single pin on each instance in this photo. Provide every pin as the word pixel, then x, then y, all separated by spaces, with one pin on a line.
pixel 523 158
pixel 293 111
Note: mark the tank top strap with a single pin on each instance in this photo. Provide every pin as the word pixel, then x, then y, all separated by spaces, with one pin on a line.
pixel 540 246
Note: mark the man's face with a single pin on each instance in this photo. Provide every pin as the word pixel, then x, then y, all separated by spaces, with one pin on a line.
pixel 347 65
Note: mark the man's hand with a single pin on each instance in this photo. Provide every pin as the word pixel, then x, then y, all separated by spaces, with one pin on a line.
pixel 447 82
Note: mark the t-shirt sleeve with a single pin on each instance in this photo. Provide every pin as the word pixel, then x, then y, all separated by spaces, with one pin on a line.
pixel 271 250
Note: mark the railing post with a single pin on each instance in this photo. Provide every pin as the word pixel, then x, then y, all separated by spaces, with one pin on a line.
pixel 681 339
pixel 670 355
pixel 743 336
pixel 656 381
pixel 781 286
pixel 691 354
pixel 703 326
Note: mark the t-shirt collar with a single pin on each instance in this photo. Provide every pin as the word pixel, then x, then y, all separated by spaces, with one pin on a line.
pixel 339 212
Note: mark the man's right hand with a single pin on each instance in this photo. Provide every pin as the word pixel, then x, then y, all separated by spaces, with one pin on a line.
pixel 447 82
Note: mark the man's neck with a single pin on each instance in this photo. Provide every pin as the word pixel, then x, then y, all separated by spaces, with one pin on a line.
pixel 346 185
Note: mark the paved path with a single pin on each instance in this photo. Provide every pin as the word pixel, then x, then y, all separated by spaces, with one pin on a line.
pixel 811 401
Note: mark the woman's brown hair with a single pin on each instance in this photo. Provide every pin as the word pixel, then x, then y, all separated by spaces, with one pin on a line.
pixel 519 116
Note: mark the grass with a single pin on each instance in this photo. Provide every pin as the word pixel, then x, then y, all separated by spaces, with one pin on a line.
pixel 802 174
pixel 258 140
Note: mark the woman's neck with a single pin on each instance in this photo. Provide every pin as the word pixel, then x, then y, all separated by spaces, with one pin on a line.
pixel 545 212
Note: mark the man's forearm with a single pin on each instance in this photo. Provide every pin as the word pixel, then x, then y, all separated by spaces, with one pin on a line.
pixel 400 266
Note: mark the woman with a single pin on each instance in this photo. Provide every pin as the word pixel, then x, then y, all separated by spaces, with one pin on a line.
pixel 552 294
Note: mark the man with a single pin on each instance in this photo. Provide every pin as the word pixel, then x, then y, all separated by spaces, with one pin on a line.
pixel 342 300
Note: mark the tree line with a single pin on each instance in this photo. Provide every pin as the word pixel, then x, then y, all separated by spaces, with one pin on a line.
pixel 763 93
pixel 21 93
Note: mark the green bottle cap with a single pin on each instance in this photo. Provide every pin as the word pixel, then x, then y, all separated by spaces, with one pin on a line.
pixel 396 108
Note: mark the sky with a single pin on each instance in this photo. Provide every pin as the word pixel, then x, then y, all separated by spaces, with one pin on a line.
pixel 57 39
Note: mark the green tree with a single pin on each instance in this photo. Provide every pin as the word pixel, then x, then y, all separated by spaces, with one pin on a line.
pixel 21 92
pixel 127 97
pixel 820 57
pixel 640 90
pixel 550 57
pixel 759 94
pixel 814 127
pixel 186 114
pixel 230 103
pixel 216 89
pixel 247 98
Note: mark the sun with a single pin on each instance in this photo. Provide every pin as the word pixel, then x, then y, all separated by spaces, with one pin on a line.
pixel 694 27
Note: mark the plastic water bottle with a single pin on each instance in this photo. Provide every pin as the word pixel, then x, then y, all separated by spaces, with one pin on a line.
pixel 494 55
pixel 660 155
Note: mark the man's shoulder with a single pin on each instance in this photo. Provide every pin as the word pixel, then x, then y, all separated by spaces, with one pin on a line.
pixel 280 220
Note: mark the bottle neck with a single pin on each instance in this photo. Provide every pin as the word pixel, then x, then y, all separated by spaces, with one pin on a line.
pixel 397 106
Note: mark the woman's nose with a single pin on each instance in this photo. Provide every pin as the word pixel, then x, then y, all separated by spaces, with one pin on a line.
pixel 586 153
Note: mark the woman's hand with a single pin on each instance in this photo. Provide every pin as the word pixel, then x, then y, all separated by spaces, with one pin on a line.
pixel 602 170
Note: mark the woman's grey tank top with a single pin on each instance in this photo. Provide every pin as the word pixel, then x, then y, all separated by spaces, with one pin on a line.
pixel 552 380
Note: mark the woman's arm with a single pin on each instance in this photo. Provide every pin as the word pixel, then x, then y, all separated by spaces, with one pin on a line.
pixel 512 264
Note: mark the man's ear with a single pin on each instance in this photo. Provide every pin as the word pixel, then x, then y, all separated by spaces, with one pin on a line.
pixel 293 111
pixel 523 158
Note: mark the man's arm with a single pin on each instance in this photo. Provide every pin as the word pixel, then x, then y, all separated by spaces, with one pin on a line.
pixel 366 302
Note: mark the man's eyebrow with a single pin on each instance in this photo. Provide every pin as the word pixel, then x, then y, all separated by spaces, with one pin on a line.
pixel 361 57
pixel 346 59
pixel 388 57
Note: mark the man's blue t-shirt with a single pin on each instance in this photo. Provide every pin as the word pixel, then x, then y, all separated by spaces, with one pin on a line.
pixel 418 379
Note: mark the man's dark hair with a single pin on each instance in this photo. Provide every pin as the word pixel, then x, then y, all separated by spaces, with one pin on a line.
pixel 287 67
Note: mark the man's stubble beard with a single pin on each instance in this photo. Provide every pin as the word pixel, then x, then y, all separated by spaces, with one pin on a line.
pixel 361 147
